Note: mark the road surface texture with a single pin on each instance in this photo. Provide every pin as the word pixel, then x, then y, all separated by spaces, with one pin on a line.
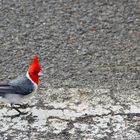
pixel 90 55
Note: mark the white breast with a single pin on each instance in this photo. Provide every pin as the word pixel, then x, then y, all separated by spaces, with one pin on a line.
pixel 35 85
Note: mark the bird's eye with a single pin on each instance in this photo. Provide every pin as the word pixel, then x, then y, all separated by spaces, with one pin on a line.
pixel 35 72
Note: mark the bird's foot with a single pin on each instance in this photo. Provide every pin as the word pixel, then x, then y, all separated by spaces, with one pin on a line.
pixel 19 112
pixel 16 115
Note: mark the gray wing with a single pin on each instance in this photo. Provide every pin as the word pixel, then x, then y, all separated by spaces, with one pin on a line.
pixel 6 89
pixel 22 86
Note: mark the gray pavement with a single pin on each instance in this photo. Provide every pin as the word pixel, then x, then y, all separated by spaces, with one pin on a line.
pixel 90 56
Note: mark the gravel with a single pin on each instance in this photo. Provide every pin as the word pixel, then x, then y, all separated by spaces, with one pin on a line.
pixel 89 52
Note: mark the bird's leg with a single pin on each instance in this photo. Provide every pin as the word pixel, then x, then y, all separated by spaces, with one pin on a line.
pixel 16 115
pixel 20 113
pixel 23 106
pixel 16 109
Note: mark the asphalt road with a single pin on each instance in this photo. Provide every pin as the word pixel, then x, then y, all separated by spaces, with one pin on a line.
pixel 82 44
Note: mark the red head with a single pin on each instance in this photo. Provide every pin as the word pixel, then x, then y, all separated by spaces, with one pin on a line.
pixel 34 70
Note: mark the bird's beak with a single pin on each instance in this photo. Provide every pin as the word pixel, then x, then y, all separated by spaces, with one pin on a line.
pixel 40 74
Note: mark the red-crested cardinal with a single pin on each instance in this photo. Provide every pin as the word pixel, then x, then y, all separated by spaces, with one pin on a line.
pixel 20 89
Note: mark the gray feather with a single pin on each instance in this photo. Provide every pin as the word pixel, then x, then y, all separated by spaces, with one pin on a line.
pixel 21 86
pixel 4 89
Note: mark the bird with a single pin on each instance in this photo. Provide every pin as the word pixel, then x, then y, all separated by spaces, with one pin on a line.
pixel 18 90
